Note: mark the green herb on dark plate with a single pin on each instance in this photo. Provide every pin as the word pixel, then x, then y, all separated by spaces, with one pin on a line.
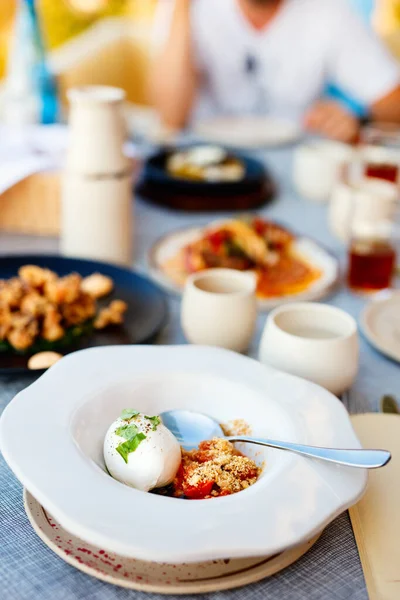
pixel 155 421
pixel 130 446
pixel 127 431
pixel 4 346
pixel 72 337
pixel 129 413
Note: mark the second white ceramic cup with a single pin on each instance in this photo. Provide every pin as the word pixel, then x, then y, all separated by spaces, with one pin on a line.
pixel 316 168
pixel 314 341
pixel 219 308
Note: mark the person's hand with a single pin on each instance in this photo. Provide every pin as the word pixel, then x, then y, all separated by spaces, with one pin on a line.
pixel 330 119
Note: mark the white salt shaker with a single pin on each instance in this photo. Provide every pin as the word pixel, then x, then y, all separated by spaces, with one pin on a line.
pixel 97 218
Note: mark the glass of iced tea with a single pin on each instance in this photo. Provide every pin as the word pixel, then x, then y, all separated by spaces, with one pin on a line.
pixel 373 252
pixel 380 151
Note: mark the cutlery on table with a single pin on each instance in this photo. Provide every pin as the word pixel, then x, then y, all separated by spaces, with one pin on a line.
pixel 190 428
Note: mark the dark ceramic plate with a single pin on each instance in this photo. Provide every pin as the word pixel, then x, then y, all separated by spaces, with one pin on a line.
pixel 147 308
pixel 158 186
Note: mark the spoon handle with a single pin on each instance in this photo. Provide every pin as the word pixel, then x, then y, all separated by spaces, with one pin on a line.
pixel 362 459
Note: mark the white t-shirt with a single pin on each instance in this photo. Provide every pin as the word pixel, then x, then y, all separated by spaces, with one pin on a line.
pixel 284 68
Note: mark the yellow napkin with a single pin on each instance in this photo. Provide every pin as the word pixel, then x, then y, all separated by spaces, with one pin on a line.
pixel 376 518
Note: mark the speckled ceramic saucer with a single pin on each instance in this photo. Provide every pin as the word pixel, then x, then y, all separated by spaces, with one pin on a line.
pixel 195 578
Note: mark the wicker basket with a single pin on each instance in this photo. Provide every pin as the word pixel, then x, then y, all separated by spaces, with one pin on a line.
pixel 32 206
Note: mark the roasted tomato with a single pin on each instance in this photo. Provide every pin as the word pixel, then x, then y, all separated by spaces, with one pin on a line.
pixel 197 492
pixel 217 239
pixel 259 226
pixel 248 474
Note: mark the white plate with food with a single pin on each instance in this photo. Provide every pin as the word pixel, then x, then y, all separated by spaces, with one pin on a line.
pixel 158 578
pixel 285 501
pixel 248 132
pixel 289 268
pixel 380 323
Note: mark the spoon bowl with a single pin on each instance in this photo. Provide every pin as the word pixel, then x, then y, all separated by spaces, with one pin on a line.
pixel 190 428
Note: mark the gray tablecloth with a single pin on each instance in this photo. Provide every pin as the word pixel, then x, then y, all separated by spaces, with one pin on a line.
pixel 331 570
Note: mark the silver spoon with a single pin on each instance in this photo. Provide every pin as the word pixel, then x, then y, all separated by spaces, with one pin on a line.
pixel 191 428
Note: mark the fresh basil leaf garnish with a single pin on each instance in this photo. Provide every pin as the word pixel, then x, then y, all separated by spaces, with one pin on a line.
pixel 155 421
pixel 127 431
pixel 129 413
pixel 130 446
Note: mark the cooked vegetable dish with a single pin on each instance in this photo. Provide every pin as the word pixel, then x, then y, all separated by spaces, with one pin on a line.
pixel 257 245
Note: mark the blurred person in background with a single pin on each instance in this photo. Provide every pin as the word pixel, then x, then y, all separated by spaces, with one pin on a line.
pixel 275 57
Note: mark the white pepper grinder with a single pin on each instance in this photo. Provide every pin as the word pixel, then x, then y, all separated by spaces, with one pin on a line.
pixel 97 213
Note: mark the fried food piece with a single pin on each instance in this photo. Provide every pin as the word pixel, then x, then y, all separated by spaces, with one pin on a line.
pixel 36 276
pixel 275 235
pixel 65 290
pixel 111 315
pixel 251 243
pixel 51 328
pixel 23 332
pixel 34 304
pixel 11 292
pixel 5 321
pixel 43 360
pixel 40 304
pixel 82 309
pixel 97 285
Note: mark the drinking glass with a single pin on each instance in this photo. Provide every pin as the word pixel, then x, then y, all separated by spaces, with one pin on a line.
pixel 373 251
pixel 380 151
pixel 358 198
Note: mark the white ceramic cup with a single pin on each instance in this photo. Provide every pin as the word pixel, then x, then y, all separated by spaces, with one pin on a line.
pixel 313 341
pixel 316 168
pixel 368 200
pixel 219 308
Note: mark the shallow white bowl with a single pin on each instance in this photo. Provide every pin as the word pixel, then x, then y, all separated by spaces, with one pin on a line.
pixel 51 436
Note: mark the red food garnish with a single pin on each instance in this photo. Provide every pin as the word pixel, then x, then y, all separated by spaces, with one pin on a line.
pixel 248 474
pixel 217 238
pixel 259 226
pixel 202 456
pixel 206 445
pixel 198 492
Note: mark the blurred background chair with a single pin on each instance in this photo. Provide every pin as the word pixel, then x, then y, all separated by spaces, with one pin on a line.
pixel 96 42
